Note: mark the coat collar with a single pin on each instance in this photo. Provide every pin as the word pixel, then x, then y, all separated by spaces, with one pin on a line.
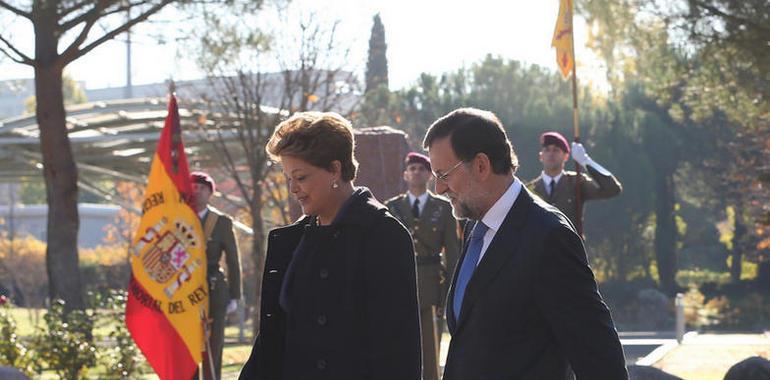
pixel 503 247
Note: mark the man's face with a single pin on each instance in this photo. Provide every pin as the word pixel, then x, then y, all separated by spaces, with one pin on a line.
pixel 201 195
pixel 553 158
pixel 460 185
pixel 417 175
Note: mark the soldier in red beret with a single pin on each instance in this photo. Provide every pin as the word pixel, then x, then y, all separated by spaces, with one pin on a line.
pixel 557 186
pixel 224 291
pixel 436 246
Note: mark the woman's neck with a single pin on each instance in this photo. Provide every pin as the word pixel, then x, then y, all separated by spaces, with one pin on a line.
pixel 342 194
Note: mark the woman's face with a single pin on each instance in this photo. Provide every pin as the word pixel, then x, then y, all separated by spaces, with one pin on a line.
pixel 310 185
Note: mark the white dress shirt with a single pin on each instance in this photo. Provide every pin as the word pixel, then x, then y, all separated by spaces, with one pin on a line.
pixel 423 199
pixel 496 214
pixel 202 213
pixel 548 179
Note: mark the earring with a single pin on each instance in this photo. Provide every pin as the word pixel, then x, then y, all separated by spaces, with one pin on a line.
pixel 335 185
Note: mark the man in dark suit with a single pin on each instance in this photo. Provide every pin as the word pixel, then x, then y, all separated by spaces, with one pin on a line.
pixel 523 302
pixel 224 292
pixel 557 186
pixel 434 231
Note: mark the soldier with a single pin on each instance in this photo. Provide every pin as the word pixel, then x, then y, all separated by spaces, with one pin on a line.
pixel 434 230
pixel 223 292
pixel 557 186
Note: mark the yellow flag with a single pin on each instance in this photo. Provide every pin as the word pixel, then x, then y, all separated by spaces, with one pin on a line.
pixel 168 287
pixel 562 38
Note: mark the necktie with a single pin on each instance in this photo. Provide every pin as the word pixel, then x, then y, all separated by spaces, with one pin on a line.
pixel 552 186
pixel 416 208
pixel 469 265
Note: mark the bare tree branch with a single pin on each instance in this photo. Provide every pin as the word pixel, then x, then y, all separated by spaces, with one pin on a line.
pixel 74 8
pixel 22 58
pixel 73 52
pixel 719 13
pixel 67 25
pixel 15 10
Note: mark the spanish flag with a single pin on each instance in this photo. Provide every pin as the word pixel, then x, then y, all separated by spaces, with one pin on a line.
pixel 168 293
pixel 562 38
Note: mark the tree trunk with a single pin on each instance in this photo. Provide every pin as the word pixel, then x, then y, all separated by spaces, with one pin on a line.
pixel 59 169
pixel 737 254
pixel 665 233
pixel 258 252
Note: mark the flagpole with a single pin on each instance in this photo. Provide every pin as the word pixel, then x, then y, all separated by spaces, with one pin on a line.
pixel 576 125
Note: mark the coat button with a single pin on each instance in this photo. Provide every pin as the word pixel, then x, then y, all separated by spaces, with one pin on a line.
pixel 323 273
pixel 322 320
pixel 321 364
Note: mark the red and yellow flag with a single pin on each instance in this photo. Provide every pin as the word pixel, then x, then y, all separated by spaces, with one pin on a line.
pixel 562 38
pixel 168 288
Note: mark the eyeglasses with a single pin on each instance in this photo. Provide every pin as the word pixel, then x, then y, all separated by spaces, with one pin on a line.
pixel 443 177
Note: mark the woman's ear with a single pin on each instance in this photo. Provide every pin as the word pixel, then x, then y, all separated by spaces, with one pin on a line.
pixel 335 167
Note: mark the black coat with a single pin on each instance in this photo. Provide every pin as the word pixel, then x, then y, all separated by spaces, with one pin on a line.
pixel 532 309
pixel 353 313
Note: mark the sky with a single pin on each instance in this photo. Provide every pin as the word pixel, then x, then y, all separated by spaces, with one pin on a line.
pixel 422 35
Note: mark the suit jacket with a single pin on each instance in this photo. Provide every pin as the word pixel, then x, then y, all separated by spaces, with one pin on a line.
pixel 433 232
pixel 222 240
pixel 592 186
pixel 353 301
pixel 532 309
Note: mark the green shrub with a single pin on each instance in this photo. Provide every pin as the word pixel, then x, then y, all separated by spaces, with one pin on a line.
pixel 122 360
pixel 66 345
pixel 13 353
pixel 698 277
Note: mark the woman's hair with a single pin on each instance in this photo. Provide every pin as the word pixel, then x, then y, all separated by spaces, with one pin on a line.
pixel 318 138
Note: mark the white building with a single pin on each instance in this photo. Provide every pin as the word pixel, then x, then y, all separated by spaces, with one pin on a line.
pixel 32 220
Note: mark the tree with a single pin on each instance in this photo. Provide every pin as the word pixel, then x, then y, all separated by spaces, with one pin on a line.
pixel 52 21
pixel 73 94
pixel 703 74
pixel 377 106
pixel 247 103
pixel 377 64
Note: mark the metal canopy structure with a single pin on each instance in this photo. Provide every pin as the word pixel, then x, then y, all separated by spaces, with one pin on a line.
pixel 115 139
pixel 111 140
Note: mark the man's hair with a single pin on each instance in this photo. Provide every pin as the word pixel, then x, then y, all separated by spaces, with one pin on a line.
pixel 318 138
pixel 472 131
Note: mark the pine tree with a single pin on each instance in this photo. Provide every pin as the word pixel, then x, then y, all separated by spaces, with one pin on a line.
pixel 377 65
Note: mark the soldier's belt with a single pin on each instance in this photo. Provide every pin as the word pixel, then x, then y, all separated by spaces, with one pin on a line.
pixel 428 259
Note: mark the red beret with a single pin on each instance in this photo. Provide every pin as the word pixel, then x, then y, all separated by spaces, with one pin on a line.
pixel 204 178
pixel 417 158
pixel 554 138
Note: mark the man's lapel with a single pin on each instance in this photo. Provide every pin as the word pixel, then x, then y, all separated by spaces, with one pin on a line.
pixel 504 246
pixel 540 187
pixel 406 211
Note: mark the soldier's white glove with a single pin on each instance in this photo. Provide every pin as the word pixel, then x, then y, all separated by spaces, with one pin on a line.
pixel 232 306
pixel 581 157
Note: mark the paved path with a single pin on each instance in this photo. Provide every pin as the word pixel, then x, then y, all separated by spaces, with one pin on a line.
pixel 709 356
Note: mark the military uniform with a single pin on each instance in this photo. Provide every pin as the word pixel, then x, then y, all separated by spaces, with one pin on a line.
pixel 594 185
pixel 433 231
pixel 222 288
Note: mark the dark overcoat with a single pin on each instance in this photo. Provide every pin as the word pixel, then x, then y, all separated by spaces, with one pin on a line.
pixel 353 306
pixel 532 309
